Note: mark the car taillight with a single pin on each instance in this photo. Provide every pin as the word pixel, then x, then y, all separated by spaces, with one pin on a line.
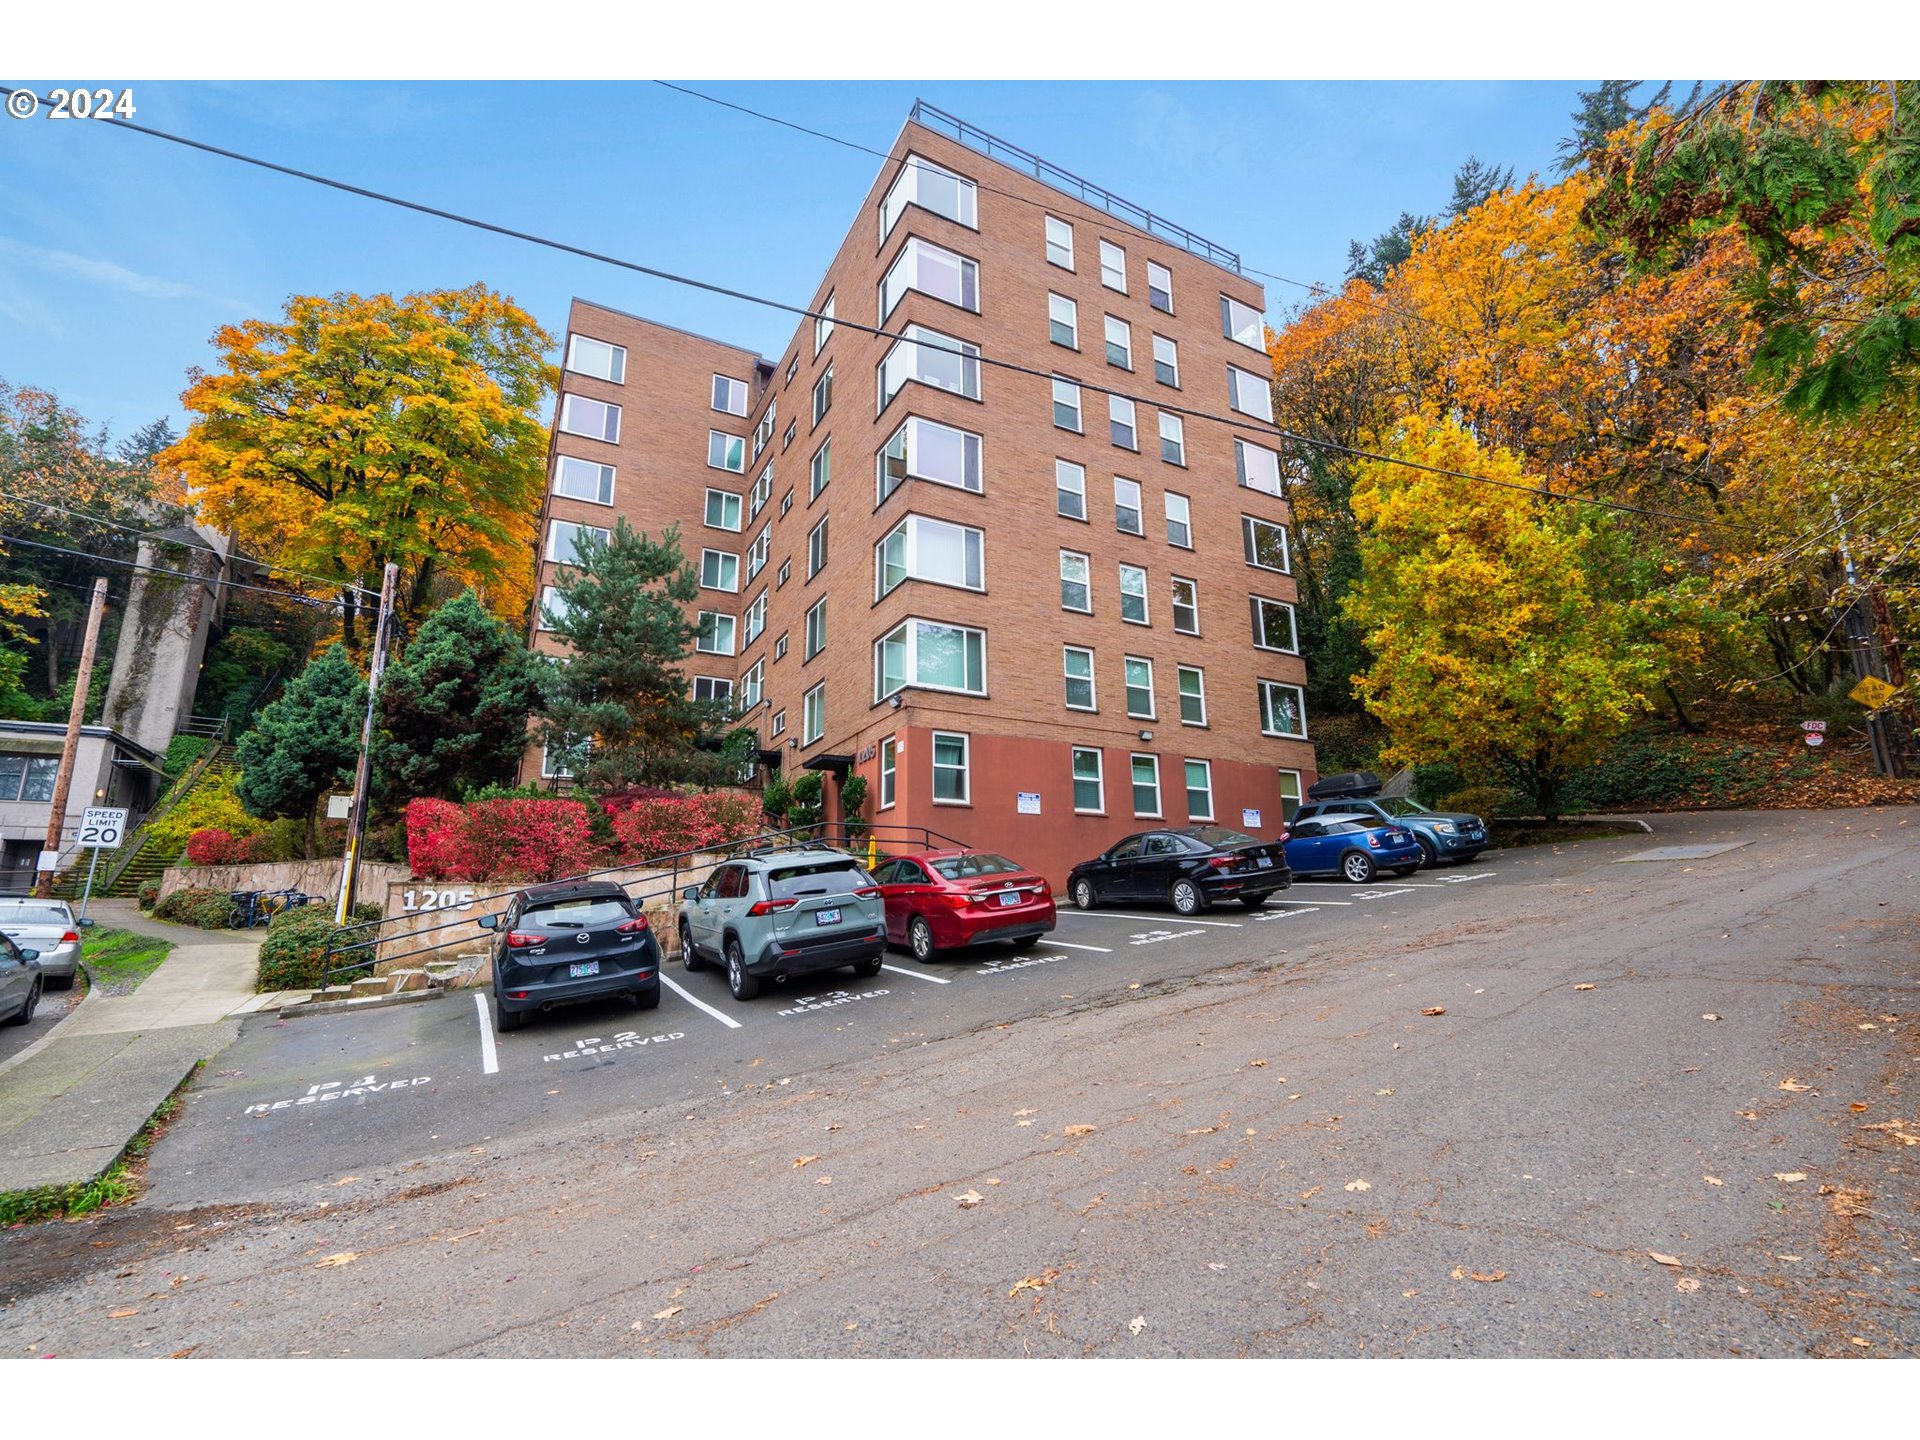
pixel 1045 889
pixel 767 907
pixel 1373 842
pixel 1220 862
pixel 865 890
pixel 639 922
pixel 70 938
pixel 521 939
pixel 955 899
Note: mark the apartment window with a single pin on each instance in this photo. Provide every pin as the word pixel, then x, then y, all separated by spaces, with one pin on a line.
pixel 1283 710
pixel 793 427
pixel 821 470
pixel 927 450
pixel 583 480
pixel 813 714
pixel 1249 393
pixel 919 548
pixel 931 656
pixel 1193 695
pixel 1076 589
pixel 931 187
pixel 785 574
pixel 817 548
pixel 1139 688
pixel 758 552
pixel 1133 594
pixel 1066 405
pixel 932 271
pixel 716 633
pixel 597 358
pixel 822 328
pixel 763 432
pixel 1179 521
pixel 950 779
pixel 816 636
pixel 780 646
pixel 719 570
pixel 932 359
pixel 1240 322
pixel 823 395
pixel 1266 544
pixel 709 690
pixel 1070 489
pixel 1089 788
pixel 727 452
pixel 1186 606
pixel 729 395
pixel 563 540
pixel 1289 794
pixel 556 762
pixel 1166 361
pixel 1146 786
pixel 751 681
pixel 1120 422
pixel 1126 506
pixel 553 613
pixel 777 725
pixel 1119 343
pixel 756 618
pixel 1273 627
pixel 1173 439
pixel 1059 243
pixel 723 510
pixel 762 492
pixel 1079 672
pixel 1159 287
pixel 1199 790
pixel 1113 266
pixel 1257 467
pixel 1063 321
pixel 786 503
pixel 595 419
pixel 889 772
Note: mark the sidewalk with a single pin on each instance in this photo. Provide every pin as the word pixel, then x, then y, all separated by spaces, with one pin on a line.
pixel 71 1102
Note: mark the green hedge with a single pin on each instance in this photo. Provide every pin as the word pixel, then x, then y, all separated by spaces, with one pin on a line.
pixel 196 905
pixel 295 950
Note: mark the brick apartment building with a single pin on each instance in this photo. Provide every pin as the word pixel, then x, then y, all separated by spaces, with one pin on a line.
pixel 1035 616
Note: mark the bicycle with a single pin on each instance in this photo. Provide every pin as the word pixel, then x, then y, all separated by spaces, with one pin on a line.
pixel 258 907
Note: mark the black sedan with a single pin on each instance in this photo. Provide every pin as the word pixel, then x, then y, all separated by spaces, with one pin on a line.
pixel 1189 868
pixel 569 941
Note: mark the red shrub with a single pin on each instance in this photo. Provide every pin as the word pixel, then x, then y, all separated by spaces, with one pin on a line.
pixel 434 829
pixel 213 847
pixel 646 828
pixel 514 839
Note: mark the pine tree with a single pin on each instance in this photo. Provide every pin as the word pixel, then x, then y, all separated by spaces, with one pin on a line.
pixel 1373 263
pixel 1474 183
pixel 306 743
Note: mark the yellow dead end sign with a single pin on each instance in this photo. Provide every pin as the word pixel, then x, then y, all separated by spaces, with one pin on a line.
pixel 1872 692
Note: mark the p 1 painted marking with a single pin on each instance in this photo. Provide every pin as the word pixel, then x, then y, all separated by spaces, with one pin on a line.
pixel 337 1090
pixel 1160 937
pixel 1001 967
pixel 1151 919
pixel 1097 949
pixel 625 1040
pixel 916 974
pixel 489 1056
pixel 831 999
pixel 724 1018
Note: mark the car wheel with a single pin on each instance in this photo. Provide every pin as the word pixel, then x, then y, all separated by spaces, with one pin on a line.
pixel 743 985
pixel 26 1011
pixel 1083 896
pixel 647 999
pixel 1027 942
pixel 1186 897
pixel 1253 902
pixel 1429 857
pixel 689 956
pixel 505 1019
pixel 920 939
pixel 867 969
pixel 1356 867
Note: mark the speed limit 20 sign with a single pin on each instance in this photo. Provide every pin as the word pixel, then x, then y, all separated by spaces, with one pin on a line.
pixel 102 828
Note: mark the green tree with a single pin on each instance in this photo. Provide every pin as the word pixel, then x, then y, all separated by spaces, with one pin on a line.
pixel 452 710
pixel 1473 183
pixel 1608 109
pixel 306 743
pixel 1376 261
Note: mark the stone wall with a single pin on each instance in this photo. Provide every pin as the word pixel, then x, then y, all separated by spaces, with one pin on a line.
pixel 315 877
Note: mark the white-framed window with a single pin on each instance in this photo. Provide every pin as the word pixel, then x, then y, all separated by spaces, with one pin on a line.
pixel 1241 323
pixel 933 359
pixel 708 689
pixel 755 617
pixel 595 419
pixel 557 760
pixel 1146 786
pixel 1133 595
pixel 931 187
pixel 786 502
pixel 889 772
pixel 821 469
pixel 723 510
pixel 1078 663
pixel 951 782
pixel 716 634
pixel 1193 695
pixel 719 570
pixel 760 550
pixel 786 438
pixel 823 395
pixel 817 548
pixel 1283 710
pixel 1166 361
pixel 563 540
pixel 813 714
pixel 727 452
pixel 1257 467
pixel 1076 588
pixel 1119 343
pixel 1059 243
pixel 780 646
pixel 1120 422
pixel 1179 521
pixel 1186 606
pixel 729 395
pixel 598 358
pixel 1173 439
pixel 1139 672
pixel 1063 321
pixel 822 328
pixel 1289 794
pixel 1126 506
pixel 1159 287
pixel 762 492
pixel 927 450
pixel 1199 790
pixel 815 639
pixel 752 681
pixel 1070 489
pixel 933 271
pixel 1249 393
pixel 777 725
pixel 1266 544
pixel 793 365
pixel 583 480
pixel 932 656
pixel 763 432
pixel 1089 785
pixel 937 551
pixel 1273 627
pixel 784 574
pixel 1066 405
pixel 1113 266
pixel 553 607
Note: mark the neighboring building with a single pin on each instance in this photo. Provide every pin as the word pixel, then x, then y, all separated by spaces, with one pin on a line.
pixel 1033 616
pixel 108 769
pixel 173 604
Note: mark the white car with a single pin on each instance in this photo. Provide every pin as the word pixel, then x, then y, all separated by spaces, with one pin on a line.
pixel 49 927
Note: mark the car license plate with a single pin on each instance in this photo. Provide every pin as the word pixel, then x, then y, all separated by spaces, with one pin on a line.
pixel 1009 897
pixel 584 967
pixel 1265 862
pixel 826 917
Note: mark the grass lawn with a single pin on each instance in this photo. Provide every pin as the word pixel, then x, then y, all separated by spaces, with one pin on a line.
pixel 119 960
pixel 1510 836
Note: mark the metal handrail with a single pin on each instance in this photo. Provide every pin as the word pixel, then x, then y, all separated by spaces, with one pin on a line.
pixel 175 794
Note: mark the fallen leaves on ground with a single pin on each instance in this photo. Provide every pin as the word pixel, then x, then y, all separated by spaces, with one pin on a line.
pixel 1257 1064
pixel 1034 1282
pixel 345 1257
pixel 1434 1010
pixel 1358 1185
pixel 1710 1016
pixel 1686 1284
pixel 805 1160
pixel 969 1199
pixel 1080 1129
pixel 824 1180
pixel 1207 1130
pixel 1137 1324
pixel 346 1180
pixel 1665 1259
pixel 669 1312
pixel 1028 1111
pixel 1309 1194
pixel 1859 1107
pixel 1790 1177
pixel 1713 1179
pixel 122 1313
pixel 1792 1084
pixel 1460 1272
pixel 1585 987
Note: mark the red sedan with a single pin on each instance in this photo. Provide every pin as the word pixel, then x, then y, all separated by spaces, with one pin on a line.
pixel 947 899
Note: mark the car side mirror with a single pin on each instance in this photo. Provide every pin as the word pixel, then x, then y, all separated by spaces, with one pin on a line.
pixel 488 922
pixel 692 892
pixel 85 924
pixel 29 954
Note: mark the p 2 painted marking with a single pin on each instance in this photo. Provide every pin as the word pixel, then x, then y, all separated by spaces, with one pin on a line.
pixel 337 1090
pixel 1001 967
pixel 625 1040
pixel 831 999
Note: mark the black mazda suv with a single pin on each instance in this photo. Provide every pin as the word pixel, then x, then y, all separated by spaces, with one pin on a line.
pixel 569 941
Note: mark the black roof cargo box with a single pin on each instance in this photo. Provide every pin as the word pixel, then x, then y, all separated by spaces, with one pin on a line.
pixel 1355 785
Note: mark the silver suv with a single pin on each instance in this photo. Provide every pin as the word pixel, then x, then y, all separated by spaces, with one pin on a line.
pixel 771 914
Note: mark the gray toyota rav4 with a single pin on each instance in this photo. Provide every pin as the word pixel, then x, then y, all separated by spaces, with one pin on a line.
pixel 776 913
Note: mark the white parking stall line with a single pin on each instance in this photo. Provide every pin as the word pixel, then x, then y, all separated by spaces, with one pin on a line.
pixel 489 1057
pixel 1313 902
pixel 1463 879
pixel 916 974
pixel 1097 949
pixel 721 1016
pixel 1151 919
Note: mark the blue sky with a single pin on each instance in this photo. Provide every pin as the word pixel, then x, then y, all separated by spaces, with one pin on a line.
pixel 120 254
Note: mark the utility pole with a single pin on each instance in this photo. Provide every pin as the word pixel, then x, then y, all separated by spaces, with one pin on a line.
pixel 363 770
pixel 63 783
pixel 1882 726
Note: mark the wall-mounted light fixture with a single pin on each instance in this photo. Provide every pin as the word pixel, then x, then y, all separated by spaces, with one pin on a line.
pixel 894 702
pixel 793 743
pixel 1146 734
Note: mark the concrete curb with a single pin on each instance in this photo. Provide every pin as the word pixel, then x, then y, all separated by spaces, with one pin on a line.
pixel 1596 822
pixel 367 1002
pixel 45 1040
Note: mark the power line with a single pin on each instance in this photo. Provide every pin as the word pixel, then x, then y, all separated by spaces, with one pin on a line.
pixel 181 574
